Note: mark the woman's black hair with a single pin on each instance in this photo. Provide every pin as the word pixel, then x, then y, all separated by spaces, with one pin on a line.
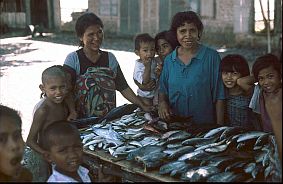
pixel 235 62
pixel 186 17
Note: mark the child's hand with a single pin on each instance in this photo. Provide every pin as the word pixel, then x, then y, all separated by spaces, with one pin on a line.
pixel 158 69
pixel 72 116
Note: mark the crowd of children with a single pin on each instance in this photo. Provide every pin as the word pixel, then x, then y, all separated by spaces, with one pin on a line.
pixel 253 101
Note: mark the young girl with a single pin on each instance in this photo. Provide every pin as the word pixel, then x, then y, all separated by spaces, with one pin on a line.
pixel 267 71
pixel 64 149
pixel 234 67
pixel 11 147
pixel 51 108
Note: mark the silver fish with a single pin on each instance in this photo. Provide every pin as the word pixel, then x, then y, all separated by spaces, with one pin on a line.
pixel 250 135
pixel 215 132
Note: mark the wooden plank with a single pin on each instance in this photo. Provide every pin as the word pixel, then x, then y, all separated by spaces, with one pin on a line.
pixel 129 167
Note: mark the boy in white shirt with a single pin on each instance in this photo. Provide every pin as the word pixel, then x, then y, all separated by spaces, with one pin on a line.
pixel 65 151
pixel 144 71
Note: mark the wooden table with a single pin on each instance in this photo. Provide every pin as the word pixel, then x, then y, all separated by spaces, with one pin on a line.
pixel 125 169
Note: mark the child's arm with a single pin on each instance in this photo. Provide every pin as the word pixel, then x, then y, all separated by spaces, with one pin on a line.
pixel 147 71
pixel 246 83
pixel 37 124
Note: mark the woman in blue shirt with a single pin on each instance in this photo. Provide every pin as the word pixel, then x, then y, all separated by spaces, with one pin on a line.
pixel 190 82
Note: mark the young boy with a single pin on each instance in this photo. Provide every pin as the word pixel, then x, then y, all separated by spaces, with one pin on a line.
pixel 11 147
pixel 64 149
pixel 268 74
pixel 51 108
pixel 144 71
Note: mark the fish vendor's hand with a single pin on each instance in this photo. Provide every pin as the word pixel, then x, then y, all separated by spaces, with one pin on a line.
pixel 164 111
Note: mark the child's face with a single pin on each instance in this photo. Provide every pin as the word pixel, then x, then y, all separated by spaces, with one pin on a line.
pixel 269 79
pixel 230 79
pixel 11 146
pixel 147 51
pixel 66 152
pixel 55 89
pixel 163 48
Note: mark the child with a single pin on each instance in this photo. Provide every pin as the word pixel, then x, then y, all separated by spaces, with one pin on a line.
pixel 11 147
pixel 51 108
pixel 164 44
pixel 268 74
pixel 145 66
pixel 64 149
pixel 234 67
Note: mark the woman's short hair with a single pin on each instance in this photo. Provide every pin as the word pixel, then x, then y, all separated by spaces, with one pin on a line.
pixel 266 61
pixel 186 17
pixel 235 62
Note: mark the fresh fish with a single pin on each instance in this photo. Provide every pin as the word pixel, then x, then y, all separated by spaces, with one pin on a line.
pixel 221 162
pixel 250 167
pixel 169 167
pixel 198 174
pixel 175 145
pixel 88 137
pixel 250 135
pixel 198 141
pixel 210 145
pixel 118 112
pixel 246 145
pixel 94 141
pixel 151 160
pixel 231 131
pixel 145 150
pixel 85 122
pixel 235 165
pixel 262 140
pixel 216 149
pixel 181 151
pixel 215 132
pixel 178 136
pixel 168 134
pixel 196 155
pixel 107 133
pixel 91 147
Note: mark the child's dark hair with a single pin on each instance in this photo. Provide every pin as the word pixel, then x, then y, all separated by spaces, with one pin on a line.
pixel 186 17
pixel 84 21
pixel 266 61
pixel 235 62
pixel 55 70
pixel 142 38
pixel 11 113
pixel 57 128
pixel 166 35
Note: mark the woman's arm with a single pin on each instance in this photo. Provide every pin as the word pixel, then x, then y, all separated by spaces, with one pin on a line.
pixel 220 112
pixel 146 87
pixel 131 96
pixel 164 110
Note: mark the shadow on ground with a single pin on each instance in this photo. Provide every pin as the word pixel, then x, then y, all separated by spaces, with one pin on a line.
pixel 18 48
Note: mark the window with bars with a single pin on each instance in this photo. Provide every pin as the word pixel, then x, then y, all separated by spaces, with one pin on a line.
pixel 108 7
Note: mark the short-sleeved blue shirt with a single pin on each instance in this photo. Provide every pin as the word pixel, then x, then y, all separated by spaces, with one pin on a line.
pixel 194 88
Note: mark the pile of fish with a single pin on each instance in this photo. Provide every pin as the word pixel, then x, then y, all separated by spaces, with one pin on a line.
pixel 221 154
